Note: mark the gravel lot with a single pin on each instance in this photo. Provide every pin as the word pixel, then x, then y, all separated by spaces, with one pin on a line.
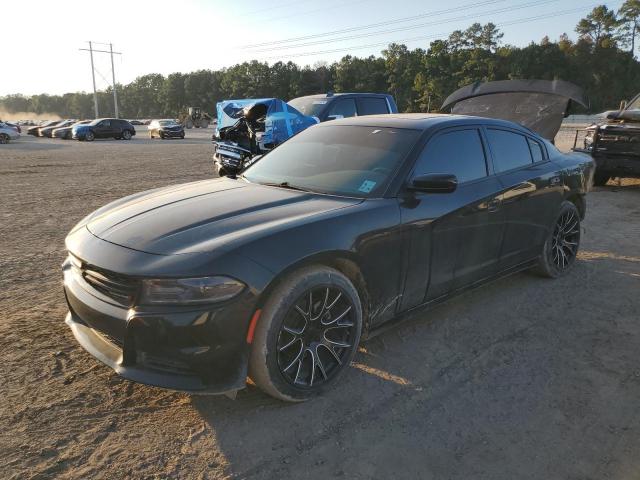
pixel 526 378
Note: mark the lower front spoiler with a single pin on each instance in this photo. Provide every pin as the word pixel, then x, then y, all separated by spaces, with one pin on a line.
pixel 111 355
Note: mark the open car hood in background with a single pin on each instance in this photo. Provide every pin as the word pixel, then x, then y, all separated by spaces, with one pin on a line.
pixel 539 105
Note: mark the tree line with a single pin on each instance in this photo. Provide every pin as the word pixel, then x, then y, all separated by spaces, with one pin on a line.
pixel 601 61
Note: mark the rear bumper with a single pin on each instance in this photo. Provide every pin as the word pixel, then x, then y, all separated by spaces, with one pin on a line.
pixel 200 351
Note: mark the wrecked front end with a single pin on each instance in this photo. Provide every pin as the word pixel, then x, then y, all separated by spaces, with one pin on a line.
pixel 252 127
pixel 615 145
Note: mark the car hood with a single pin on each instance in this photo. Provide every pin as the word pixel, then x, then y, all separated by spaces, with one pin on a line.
pixel 217 214
pixel 539 105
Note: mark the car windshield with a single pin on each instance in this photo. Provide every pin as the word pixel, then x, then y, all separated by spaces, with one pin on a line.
pixel 308 106
pixel 167 123
pixel 95 122
pixel 354 161
pixel 634 104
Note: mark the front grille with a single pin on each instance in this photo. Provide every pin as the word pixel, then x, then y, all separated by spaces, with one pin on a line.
pixel 116 286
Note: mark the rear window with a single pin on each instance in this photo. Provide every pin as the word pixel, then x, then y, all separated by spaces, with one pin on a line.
pixel 459 153
pixel 372 106
pixel 509 150
pixel 536 150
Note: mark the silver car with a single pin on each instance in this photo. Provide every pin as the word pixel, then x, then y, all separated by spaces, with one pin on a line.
pixel 8 133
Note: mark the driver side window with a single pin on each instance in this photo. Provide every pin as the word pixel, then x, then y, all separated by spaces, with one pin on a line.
pixel 459 152
pixel 345 107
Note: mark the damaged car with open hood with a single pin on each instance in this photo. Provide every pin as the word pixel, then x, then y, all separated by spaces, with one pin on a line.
pixel 615 144
pixel 249 128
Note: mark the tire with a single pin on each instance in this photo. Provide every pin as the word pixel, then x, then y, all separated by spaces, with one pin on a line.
pixel 303 344
pixel 126 134
pixel 204 123
pixel 188 123
pixel 4 138
pixel 89 136
pixel 182 136
pixel 562 245
pixel 161 136
pixel 600 179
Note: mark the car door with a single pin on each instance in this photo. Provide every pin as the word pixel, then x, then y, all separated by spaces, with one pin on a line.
pixel 342 108
pixel 531 193
pixel 454 238
pixel 372 106
pixel 102 129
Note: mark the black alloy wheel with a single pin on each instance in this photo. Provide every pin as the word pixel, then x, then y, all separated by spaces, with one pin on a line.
pixel 316 336
pixel 307 334
pixel 89 136
pixel 126 135
pixel 561 248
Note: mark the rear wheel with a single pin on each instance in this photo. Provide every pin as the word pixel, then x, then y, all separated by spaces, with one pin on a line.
pixel 600 179
pixel 307 334
pixel 4 138
pixel 126 135
pixel 561 248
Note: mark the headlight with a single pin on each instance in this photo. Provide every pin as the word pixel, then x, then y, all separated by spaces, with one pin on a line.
pixel 190 290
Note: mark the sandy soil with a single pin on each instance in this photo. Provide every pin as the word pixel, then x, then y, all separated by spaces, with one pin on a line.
pixel 526 378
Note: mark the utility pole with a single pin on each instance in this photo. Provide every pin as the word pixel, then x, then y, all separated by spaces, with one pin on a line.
pixel 93 77
pixel 91 50
pixel 113 75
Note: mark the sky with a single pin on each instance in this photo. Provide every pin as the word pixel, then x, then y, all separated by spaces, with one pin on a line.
pixel 42 39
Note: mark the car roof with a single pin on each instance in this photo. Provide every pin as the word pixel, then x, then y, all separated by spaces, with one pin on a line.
pixel 343 94
pixel 421 121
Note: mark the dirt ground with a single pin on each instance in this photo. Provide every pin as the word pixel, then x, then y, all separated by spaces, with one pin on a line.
pixel 526 378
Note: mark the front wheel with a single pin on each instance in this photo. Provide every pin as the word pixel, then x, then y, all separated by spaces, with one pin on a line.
pixel 561 248
pixel 307 334
pixel 89 137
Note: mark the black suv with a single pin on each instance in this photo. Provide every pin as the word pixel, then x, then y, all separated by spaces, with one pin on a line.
pixel 332 106
pixel 104 128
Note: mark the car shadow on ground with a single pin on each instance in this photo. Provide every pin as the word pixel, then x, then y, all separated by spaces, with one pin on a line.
pixel 449 392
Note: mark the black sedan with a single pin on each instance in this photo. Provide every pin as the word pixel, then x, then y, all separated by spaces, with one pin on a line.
pixel 277 274
pixel 165 129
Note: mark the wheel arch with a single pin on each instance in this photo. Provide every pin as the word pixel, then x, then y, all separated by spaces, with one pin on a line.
pixel 345 262
pixel 579 200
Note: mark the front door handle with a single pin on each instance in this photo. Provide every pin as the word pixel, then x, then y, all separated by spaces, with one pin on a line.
pixel 554 181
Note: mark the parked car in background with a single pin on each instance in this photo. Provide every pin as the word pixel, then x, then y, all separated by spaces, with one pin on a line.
pixel 136 122
pixel 16 126
pixel 35 130
pixel 104 128
pixel 8 133
pixel 165 129
pixel 48 131
pixel 332 106
pixel 278 273
pixel 66 132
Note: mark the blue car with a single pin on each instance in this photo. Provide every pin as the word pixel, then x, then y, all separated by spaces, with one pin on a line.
pixel 104 128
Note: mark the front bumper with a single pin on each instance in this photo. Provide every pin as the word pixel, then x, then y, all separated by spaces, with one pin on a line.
pixel 201 350
pixel 172 133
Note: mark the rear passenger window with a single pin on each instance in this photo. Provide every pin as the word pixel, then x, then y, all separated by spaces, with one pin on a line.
pixel 510 150
pixel 536 150
pixel 372 106
pixel 459 152
pixel 344 107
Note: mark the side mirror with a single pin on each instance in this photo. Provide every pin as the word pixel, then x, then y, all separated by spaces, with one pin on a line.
pixel 434 183
pixel 334 117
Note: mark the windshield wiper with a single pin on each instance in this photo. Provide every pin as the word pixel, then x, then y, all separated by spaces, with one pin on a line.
pixel 286 185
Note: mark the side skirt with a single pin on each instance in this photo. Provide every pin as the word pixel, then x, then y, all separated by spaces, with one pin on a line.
pixel 445 298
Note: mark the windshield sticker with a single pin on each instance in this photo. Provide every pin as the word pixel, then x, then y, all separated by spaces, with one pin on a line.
pixel 367 186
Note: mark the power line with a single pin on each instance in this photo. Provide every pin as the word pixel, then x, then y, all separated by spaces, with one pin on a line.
pixel 374 25
pixel 411 27
pixel 91 51
pixel 439 35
